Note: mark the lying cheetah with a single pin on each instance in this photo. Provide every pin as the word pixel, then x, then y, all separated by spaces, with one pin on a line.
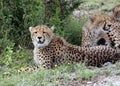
pixel 50 50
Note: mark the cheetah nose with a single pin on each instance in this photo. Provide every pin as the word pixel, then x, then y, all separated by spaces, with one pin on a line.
pixel 39 37
pixel 109 25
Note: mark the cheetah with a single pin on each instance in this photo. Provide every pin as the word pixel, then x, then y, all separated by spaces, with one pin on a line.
pixel 113 33
pixel 101 30
pixel 116 13
pixel 93 33
pixel 50 50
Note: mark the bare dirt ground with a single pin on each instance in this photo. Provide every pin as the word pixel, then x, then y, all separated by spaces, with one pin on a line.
pixel 108 75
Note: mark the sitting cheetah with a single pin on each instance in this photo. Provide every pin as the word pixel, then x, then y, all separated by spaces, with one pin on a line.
pixel 93 33
pixel 50 50
pixel 101 30
pixel 113 28
pixel 116 13
pixel 114 33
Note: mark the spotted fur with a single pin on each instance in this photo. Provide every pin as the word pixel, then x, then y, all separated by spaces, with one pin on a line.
pixel 56 51
pixel 114 33
pixel 93 33
pixel 101 30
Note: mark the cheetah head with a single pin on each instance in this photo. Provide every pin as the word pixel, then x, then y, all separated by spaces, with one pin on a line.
pixel 100 23
pixel 116 13
pixel 41 35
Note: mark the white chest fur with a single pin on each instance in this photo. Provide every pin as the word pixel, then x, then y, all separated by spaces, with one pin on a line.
pixel 37 59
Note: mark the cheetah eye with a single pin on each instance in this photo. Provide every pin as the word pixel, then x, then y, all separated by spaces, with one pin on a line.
pixel 109 25
pixel 44 32
pixel 35 32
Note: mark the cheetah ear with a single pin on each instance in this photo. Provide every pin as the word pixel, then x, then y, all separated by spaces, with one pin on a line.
pixel 92 17
pixel 52 28
pixel 30 29
pixel 112 9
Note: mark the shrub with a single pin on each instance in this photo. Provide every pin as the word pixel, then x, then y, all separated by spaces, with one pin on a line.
pixel 12 58
pixel 6 51
pixel 16 16
pixel 72 30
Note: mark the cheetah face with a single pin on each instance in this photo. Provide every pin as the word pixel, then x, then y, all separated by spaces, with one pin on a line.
pixel 117 16
pixel 100 23
pixel 116 13
pixel 41 35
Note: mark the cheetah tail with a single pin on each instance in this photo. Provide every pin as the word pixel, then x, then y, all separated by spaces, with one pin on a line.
pixel 28 69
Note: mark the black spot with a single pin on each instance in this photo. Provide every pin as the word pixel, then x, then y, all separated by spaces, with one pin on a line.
pixel 101 41
pixel 58 53
pixel 119 46
pixel 83 55
pixel 112 43
pixel 53 59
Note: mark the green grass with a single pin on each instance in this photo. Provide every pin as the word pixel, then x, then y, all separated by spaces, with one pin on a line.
pixel 99 5
pixel 12 60
pixel 44 77
pixel 53 77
